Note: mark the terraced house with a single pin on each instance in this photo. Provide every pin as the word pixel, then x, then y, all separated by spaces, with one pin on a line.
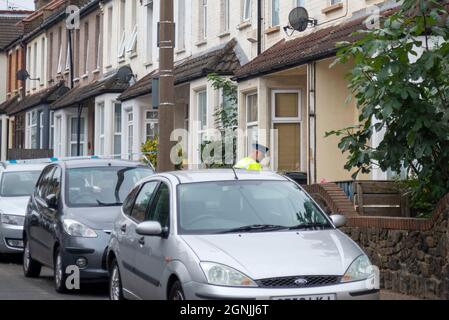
pixel 99 99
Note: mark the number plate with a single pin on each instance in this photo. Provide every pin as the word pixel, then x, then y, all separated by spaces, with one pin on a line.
pixel 321 297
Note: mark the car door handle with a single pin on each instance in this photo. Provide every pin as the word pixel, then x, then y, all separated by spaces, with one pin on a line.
pixel 142 241
pixel 123 228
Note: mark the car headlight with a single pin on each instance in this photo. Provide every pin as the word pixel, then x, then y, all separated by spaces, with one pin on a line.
pixel 77 229
pixel 12 219
pixel 220 275
pixel 360 269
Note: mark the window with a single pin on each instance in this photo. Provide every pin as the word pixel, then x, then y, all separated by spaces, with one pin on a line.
pixel 58 135
pixel 300 3
pixel 131 46
pixel 149 33
pixel 50 55
pixel 332 2
pixel 101 126
pixel 42 62
pixel 202 113
pixel 52 130
pixel 142 201
pixel 117 129
pixel 129 201
pixel 97 42
pixel 217 207
pixel 76 54
pixel 74 136
pixel 160 207
pixel 275 12
pixel 109 48
pixel 18 183
pixel 247 8
pixel 122 31
pixel 181 25
pixel 59 50
pixel 35 61
pixel 130 126
pixel 251 121
pixel 42 185
pixel 102 186
pixel 67 58
pixel 203 19
pixel 151 125
pixel 226 15
pixel 86 48
pixel 54 186
pixel 31 130
pixel 41 130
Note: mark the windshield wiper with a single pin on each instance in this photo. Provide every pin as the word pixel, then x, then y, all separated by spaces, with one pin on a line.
pixel 305 226
pixel 114 204
pixel 256 228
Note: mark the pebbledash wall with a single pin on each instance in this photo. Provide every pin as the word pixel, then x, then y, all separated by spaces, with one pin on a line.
pixel 412 254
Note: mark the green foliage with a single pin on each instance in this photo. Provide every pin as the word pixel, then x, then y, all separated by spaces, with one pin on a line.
pixel 150 149
pixel 226 120
pixel 401 80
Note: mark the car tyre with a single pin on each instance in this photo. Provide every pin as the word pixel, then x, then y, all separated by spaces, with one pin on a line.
pixel 31 268
pixel 115 283
pixel 59 272
pixel 176 292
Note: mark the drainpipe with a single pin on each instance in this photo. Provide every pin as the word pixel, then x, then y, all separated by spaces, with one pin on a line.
pixel 259 27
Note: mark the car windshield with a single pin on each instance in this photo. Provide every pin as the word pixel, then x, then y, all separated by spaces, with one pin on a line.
pixel 18 183
pixel 246 206
pixel 102 186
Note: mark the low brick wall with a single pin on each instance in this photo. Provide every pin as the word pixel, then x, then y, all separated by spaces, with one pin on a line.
pixel 412 254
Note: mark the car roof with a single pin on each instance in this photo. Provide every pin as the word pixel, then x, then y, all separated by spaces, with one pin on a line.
pixel 210 175
pixel 88 163
pixel 23 167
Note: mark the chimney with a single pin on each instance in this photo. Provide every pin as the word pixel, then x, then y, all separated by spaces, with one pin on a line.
pixel 40 3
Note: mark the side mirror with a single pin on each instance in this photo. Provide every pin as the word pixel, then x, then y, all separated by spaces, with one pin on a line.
pixel 52 201
pixel 149 228
pixel 338 220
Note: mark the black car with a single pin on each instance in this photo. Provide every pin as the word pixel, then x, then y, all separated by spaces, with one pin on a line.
pixel 70 215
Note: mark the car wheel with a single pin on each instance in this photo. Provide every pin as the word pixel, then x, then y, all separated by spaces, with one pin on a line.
pixel 60 276
pixel 176 292
pixel 115 283
pixel 31 268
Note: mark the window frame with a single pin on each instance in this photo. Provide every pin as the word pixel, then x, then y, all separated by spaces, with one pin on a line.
pixel 275 119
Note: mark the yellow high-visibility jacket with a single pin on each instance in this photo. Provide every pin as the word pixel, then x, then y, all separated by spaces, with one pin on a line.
pixel 248 164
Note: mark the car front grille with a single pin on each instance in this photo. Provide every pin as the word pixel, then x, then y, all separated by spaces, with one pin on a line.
pixel 299 282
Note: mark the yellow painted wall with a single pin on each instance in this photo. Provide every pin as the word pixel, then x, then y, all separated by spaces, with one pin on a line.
pixel 333 113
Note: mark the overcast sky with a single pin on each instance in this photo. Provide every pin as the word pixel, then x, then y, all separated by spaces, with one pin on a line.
pixel 19 4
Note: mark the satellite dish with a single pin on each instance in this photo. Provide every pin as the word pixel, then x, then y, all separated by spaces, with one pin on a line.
pixel 22 75
pixel 299 19
pixel 125 74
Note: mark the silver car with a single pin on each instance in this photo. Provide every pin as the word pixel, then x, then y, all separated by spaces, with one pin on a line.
pixel 227 234
pixel 17 183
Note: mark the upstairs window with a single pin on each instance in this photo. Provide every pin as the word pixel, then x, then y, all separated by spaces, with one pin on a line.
pixel 247 8
pixel 275 12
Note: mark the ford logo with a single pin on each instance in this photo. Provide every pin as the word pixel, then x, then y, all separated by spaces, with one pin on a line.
pixel 301 281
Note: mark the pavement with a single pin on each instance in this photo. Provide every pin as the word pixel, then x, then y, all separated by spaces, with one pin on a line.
pixel 14 286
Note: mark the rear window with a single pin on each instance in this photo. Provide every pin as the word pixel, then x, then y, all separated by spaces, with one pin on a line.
pixel 102 186
pixel 19 183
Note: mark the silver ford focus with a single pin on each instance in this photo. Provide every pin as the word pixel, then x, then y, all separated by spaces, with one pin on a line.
pixel 224 234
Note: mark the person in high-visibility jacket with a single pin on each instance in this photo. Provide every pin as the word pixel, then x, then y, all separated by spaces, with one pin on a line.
pixel 253 162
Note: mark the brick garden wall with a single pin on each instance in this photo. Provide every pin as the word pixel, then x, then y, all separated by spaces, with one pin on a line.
pixel 412 254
